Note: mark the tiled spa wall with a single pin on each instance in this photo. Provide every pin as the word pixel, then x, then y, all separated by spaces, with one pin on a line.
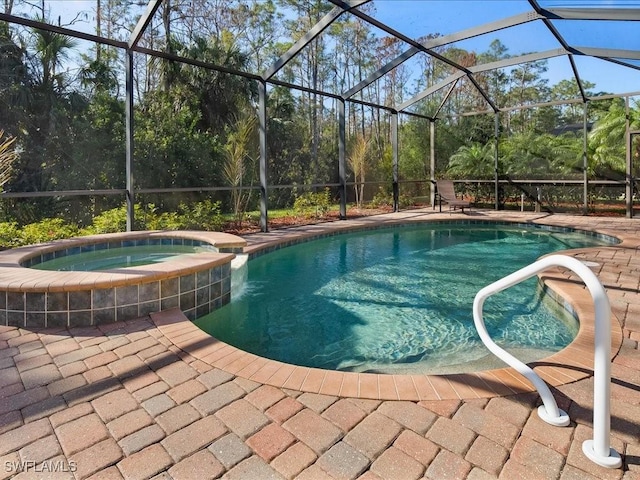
pixel 196 294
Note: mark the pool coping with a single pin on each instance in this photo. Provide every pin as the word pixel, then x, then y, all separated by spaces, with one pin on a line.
pixel 34 280
pixel 571 364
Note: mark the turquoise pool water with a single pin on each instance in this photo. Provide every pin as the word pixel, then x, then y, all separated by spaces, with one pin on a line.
pixel 398 300
pixel 121 257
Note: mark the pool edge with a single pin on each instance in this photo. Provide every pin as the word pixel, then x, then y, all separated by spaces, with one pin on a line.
pixel 571 364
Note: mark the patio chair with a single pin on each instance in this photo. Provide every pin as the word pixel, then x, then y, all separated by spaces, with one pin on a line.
pixel 445 193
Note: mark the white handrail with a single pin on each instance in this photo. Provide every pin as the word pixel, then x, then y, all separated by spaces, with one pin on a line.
pixel 599 449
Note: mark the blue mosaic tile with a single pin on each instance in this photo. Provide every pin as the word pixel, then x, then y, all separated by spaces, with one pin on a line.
pixel 127 312
pixel 15 301
pixel 104 315
pixel 167 303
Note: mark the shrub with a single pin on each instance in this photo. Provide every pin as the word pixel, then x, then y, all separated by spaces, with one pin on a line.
pixel 109 221
pixel 203 215
pixel 46 230
pixel 306 203
pixel 9 235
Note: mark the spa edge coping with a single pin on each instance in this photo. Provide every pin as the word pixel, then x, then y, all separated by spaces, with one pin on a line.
pixel 34 280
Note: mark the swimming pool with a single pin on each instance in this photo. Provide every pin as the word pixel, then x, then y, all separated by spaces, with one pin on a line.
pixel 398 300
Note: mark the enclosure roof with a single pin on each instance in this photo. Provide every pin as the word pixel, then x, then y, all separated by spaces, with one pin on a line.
pixel 592 44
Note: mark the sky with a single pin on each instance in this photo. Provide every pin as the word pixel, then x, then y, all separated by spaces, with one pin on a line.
pixel 416 18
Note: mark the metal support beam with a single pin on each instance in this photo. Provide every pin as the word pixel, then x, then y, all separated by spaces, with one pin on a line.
pixel 511 61
pixel 605 53
pixel 585 163
pixel 394 150
pixel 400 36
pixel 628 193
pixel 262 122
pixel 406 55
pixel 308 37
pixel 143 22
pixel 432 161
pixel 576 74
pixel 447 81
pixel 446 98
pixel 496 161
pixel 441 41
pixel 573 13
pixel 130 195
pixel 47 27
pixel 342 161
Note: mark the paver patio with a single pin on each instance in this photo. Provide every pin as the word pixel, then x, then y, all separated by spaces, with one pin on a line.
pixel 124 401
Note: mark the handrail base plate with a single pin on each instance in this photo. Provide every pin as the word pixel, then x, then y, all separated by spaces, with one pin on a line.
pixel 562 420
pixel 612 461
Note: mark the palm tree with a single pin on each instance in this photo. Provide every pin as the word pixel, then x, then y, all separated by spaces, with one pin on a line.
pixel 607 139
pixel 473 161
pixel 7 157
pixel 239 160
pixel 52 49
pixel 533 155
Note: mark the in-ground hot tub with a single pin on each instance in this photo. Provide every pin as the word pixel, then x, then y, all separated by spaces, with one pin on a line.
pixel 196 283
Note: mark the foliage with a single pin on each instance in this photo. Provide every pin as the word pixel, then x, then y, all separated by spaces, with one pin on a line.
pixel 112 221
pixel 383 198
pixel 240 153
pixel 313 203
pixel 205 215
pixel 46 230
pixel 607 149
pixel 539 156
pixel 357 160
pixel 474 161
pixel 7 156
pixel 9 235
pixel 64 106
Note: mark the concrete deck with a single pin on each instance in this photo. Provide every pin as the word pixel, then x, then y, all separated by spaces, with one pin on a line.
pixel 125 401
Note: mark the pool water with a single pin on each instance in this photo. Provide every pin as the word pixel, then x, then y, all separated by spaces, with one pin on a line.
pixel 398 300
pixel 120 257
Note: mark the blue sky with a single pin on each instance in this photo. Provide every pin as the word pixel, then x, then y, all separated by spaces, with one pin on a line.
pixel 416 18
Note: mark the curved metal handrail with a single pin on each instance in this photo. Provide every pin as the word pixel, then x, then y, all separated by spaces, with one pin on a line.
pixel 599 449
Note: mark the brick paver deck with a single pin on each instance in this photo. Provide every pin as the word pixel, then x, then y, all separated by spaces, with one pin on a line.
pixel 142 399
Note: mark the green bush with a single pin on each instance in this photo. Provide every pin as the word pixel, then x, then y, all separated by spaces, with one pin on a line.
pixel 311 203
pixel 198 216
pixel 382 199
pixel 46 230
pixel 9 235
pixel 385 199
pixel 203 215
